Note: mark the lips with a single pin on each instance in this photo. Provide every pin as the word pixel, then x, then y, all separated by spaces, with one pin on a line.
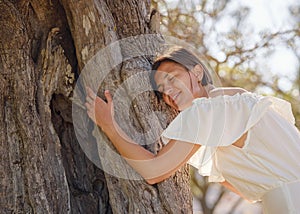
pixel 174 97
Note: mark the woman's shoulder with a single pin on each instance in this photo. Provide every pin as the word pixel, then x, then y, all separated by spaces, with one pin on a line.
pixel 227 95
pixel 226 91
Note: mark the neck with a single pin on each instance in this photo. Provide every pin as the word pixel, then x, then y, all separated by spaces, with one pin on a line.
pixel 209 88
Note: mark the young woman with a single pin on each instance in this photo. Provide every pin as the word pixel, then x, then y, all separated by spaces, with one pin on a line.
pixel 246 142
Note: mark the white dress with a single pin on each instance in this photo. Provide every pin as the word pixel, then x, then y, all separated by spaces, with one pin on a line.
pixel 266 168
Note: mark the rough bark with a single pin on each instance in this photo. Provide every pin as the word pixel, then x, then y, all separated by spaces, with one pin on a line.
pixel 44 45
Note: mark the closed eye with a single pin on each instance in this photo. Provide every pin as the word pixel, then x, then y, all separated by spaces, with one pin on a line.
pixel 160 88
pixel 171 79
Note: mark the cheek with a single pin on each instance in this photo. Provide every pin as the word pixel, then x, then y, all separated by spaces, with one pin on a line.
pixel 182 84
pixel 169 102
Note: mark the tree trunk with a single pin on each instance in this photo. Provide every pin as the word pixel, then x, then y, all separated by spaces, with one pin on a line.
pixel 44 46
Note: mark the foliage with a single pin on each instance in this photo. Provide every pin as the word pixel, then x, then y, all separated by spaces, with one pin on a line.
pixel 220 30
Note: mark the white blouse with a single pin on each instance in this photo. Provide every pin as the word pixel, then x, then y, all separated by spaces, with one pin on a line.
pixel 270 155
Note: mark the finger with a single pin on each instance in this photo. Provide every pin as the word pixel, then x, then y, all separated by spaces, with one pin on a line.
pixel 88 90
pixel 90 111
pixel 89 107
pixel 90 100
pixel 90 93
pixel 108 96
pixel 91 115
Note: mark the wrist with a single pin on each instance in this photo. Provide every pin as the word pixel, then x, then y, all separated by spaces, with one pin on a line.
pixel 108 128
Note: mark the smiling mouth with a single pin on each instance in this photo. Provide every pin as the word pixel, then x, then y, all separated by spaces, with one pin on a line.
pixel 175 96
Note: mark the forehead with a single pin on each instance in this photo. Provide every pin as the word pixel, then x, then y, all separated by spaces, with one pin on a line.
pixel 167 68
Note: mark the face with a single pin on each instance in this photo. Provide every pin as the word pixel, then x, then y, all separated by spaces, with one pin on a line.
pixel 178 86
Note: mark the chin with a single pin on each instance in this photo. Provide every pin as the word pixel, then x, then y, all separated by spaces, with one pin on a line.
pixel 181 108
pixel 185 106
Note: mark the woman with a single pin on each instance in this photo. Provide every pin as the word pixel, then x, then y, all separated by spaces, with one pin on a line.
pixel 246 142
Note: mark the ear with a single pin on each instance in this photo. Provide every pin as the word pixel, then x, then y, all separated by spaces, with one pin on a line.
pixel 198 72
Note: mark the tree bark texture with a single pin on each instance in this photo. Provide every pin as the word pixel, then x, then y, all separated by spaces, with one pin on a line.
pixel 44 45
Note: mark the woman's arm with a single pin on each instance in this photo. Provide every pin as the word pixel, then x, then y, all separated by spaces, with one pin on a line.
pixel 233 189
pixel 230 187
pixel 153 168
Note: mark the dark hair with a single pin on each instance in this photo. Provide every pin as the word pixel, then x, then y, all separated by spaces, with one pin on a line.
pixel 182 57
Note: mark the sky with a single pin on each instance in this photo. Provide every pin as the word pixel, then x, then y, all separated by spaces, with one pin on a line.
pixel 274 15
pixel 264 15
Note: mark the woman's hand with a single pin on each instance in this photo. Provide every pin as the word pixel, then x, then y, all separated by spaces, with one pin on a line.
pixel 101 112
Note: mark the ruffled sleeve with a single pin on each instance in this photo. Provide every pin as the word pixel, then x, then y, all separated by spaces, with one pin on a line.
pixel 217 121
pixel 214 122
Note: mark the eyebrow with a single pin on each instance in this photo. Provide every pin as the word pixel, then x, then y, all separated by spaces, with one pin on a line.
pixel 159 85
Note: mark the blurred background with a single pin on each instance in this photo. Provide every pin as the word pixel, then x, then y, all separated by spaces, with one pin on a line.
pixel 251 44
